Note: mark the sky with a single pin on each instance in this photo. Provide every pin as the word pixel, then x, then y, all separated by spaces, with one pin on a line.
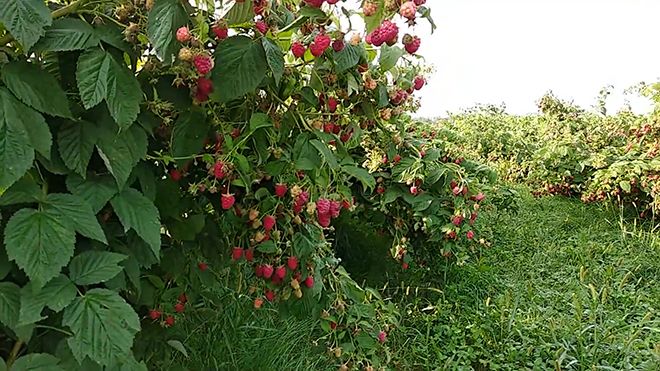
pixel 513 51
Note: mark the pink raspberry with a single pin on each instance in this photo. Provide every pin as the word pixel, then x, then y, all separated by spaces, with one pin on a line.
pixel 369 9
pixel 323 206
pixel 219 170
pixel 338 45
pixel 408 10
pixel 386 33
pixel 470 235
pixel 480 197
pixel 335 208
pixel 320 44
pixel 324 220
pixel 457 220
pixel 302 199
pixel 269 222
pixel 411 43
pixel 204 86
pixel 203 63
pixel 183 34
pixel 261 26
pixel 314 3
pixel 420 2
pixel 220 31
pixel 419 82
pixel 298 49
pixel 332 104
pixel 382 336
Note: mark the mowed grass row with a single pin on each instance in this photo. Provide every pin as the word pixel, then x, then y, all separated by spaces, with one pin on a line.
pixel 564 286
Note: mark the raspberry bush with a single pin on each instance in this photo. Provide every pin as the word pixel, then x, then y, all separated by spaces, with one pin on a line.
pixel 157 154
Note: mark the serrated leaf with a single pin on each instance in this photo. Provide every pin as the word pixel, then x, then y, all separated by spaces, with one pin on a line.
pixel 240 65
pixel 25 190
pixel 164 19
pixel 327 154
pixel 56 294
pixel 96 190
pixel 92 76
pixel 92 267
pixel 121 151
pixel 178 346
pixel 76 142
pixel 37 362
pixel 16 153
pixel 138 213
pixel 25 20
pixel 389 56
pixel 123 94
pixel 27 81
pixel 188 135
pixel 103 326
pixel 267 247
pixel 39 243
pixel 347 58
pixel 367 180
pixel 375 20
pixel 275 59
pixel 68 34
pixel 259 120
pixel 10 302
pixel 77 213
pixel 240 12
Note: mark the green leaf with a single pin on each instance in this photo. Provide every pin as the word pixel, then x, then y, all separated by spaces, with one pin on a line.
pixel 91 267
pixel 27 82
pixel 57 294
pixel 97 190
pixel 347 58
pixel 259 120
pixel 37 362
pixel 625 186
pixel 375 20
pixel 164 19
pixel 267 247
pixel 123 94
pixel 77 213
pixel 68 34
pixel 240 12
pixel 389 56
pixel 76 142
pixel 367 180
pixel 138 213
pixel 103 326
pixel 25 190
pixel 178 346
pixel 10 301
pixel 38 131
pixel 188 136
pixel 121 152
pixel 275 58
pixel 92 76
pixel 25 20
pixel 39 243
pixel 16 153
pixel 240 65
pixel 326 153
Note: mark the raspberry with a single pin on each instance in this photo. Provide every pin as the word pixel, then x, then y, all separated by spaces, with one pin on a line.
pixel 235 133
pixel 219 170
pixel 320 44
pixel 183 34
pixel 328 127
pixel 387 32
pixel 413 190
pixel 270 296
pixel 280 272
pixel 267 271
pixel 404 266
pixel 456 191
pixel 169 321
pixel 309 282
pixel 259 271
pixel 411 43
pixel 419 82
pixel 155 314
pixel 258 302
pixel 276 280
pixel 451 235
pixel 396 158
pixel 346 136
pixel 203 63
pixel 220 31
pixel 227 201
pixel 480 197
pixel 408 10
pixel 335 208
pixel 236 253
pixel 292 263
pixel 332 2
pixel 314 3
pixel 420 2
pixel 473 218
pixel 469 235
pixel 269 222
pixel 323 206
pixel 303 197
pixel 382 336
pixel 332 104
pixel 338 45
pixel 249 255
pixel 182 298
pixel 175 175
pixel 179 307
pixel 345 204
pixel 204 86
pixel 186 55
pixel 280 190
pixel 202 266
pixel 457 220
pixel 259 6
pixel 261 26
pixel 298 49
pixel 398 97
pixel 369 9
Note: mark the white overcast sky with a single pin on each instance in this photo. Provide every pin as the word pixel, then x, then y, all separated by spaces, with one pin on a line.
pixel 513 51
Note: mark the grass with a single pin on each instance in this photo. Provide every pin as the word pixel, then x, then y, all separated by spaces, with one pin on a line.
pixel 563 287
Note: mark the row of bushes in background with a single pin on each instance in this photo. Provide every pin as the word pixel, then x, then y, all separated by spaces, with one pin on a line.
pixel 565 149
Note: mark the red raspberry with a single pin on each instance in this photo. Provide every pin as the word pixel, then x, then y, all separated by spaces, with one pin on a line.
pixel 346 136
pixel 182 298
pixel 470 235
pixel 258 6
pixel 267 271
pixel 227 201
pixel 323 206
pixel 236 253
pixel 457 220
pixel 420 2
pixel 451 234
pixel 320 44
pixel 314 3
pixel 302 199
pixel 333 325
pixel 382 336
pixel 346 204
pixel 369 9
pixel 203 63
pixel 404 266
pixel 258 302
pixel 280 190
pixel 413 190
pixel 338 45
pixel 269 222
pixel 298 49
pixel 453 184
pixel 220 30
pixel 332 2
pixel 204 86
pixel 183 34
pixel 179 307
pixel 155 314
pixel 249 255
pixel 219 170
pixel 324 220
pixel 235 133
pixel 408 10
pixel 411 43
pixel 332 104
pixel 202 266
pixel 261 26
pixel 280 272
pixel 309 282
pixel 396 158
pixel 473 218
pixel 292 263
pixel 398 97
pixel 419 82
pixel 479 197
pixel 169 321
pixel 335 208
pixel 175 175
pixel 276 280
pixel 259 271
pixel 387 32
pixel 270 296
pixel 328 127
